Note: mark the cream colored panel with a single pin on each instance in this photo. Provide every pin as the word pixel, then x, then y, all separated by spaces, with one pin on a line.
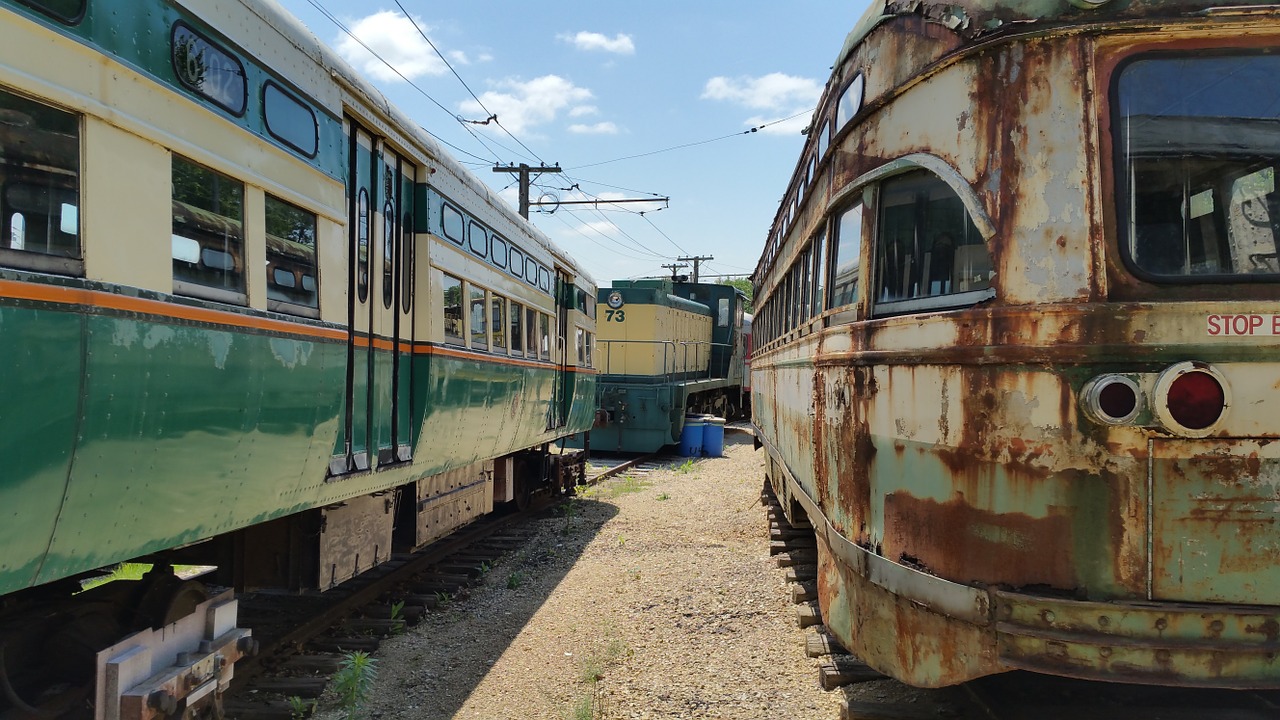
pixel 127 224
pixel 331 255
pixel 255 247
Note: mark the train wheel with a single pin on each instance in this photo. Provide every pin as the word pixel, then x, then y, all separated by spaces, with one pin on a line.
pixel 523 492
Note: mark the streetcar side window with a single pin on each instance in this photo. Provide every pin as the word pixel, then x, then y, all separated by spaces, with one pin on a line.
pixel 478 239
pixel 928 253
pixel 582 346
pixel 819 272
pixel 70 12
pixel 1198 149
pixel 39 180
pixel 451 223
pixel 499 255
pixel 591 344
pixel 544 331
pixel 531 328
pixel 517 328
pixel 289 120
pixel 479 331
pixel 291 256
pixel 499 322
pixel 452 305
pixel 846 256
pixel 208 233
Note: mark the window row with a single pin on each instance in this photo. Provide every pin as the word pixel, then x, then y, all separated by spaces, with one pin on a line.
pixel 39 199
pixel 927 255
pixel 484 320
pixel 466 232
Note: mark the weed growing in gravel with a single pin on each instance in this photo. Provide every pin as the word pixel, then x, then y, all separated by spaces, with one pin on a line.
pixel 590 706
pixel 299 708
pixel 354 681
pixel 443 598
pixel 664 496
pixel 515 580
pixel 570 510
pixel 485 567
pixel 628 484
pixel 685 467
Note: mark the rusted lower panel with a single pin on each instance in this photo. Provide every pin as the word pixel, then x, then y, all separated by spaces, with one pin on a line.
pixel 1215 520
pixel 1157 643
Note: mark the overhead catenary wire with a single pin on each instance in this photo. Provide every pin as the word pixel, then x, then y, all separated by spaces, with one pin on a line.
pixel 492 115
pixel 748 131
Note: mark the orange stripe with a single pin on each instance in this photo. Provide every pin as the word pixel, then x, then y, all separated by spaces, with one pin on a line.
pixel 40 292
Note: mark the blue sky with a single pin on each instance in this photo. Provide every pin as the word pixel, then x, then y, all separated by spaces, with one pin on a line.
pixel 591 85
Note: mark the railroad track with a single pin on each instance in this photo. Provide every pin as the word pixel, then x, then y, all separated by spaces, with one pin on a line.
pixel 1017 695
pixel 304 639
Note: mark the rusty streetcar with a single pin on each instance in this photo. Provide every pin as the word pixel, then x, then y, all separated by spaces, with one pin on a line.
pixel 1018 341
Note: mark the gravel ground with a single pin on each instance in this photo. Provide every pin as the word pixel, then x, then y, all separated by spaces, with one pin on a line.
pixel 651 596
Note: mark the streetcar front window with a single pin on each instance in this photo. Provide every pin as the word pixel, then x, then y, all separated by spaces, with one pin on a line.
pixel 1198 145
pixel 39 178
pixel 928 253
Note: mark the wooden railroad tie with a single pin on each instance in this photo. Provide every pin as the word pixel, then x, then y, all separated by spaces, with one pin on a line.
pixel 841 670
pixel 804 591
pixel 327 663
pixel 808 614
pixel 799 556
pixel 344 644
pixel 800 573
pixel 259 710
pixel 821 642
pixel 304 687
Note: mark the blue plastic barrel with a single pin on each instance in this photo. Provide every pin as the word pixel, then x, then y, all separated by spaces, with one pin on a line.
pixel 691 436
pixel 713 436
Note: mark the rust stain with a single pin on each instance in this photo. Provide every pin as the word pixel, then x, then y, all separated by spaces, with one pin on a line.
pixel 966 544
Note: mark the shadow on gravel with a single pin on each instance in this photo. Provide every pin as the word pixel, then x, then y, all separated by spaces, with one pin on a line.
pixel 453 653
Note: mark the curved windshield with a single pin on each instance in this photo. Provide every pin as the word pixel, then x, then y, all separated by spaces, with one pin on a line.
pixel 1198 144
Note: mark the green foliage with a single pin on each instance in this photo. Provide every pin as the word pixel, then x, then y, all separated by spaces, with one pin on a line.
pixel 397 608
pixel 299 708
pixel 664 496
pixel 743 284
pixel 515 580
pixel 354 681
pixel 685 467
pixel 443 598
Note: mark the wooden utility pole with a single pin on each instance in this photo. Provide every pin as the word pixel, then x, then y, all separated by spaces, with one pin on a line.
pixel 523 171
pixel 695 261
pixel 673 267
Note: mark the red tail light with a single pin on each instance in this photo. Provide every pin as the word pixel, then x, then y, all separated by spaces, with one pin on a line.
pixel 1191 398
pixel 1196 400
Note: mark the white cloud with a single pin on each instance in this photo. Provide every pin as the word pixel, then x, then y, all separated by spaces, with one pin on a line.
pixel 619 44
pixel 582 110
pixel 521 105
pixel 395 38
pixel 774 91
pixel 459 57
pixel 600 128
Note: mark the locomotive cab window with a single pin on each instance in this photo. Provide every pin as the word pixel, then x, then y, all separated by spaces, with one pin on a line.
pixel 208 233
pixel 1198 146
pixel 929 254
pixel 291 258
pixel 39 185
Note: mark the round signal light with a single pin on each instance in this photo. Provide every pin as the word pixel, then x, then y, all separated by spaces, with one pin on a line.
pixel 1191 398
pixel 1112 399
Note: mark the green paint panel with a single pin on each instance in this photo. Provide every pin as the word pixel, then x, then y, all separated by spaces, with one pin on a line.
pixel 40 364
pixel 189 432
pixel 1215 520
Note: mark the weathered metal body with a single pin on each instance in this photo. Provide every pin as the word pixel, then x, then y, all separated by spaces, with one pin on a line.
pixel 1000 457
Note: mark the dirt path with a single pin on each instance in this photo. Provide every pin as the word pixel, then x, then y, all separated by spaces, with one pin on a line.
pixel 649 597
